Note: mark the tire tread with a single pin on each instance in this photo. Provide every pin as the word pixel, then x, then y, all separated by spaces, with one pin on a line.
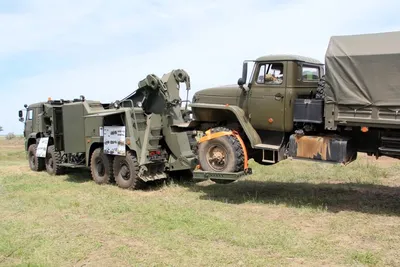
pixel 58 170
pixel 110 173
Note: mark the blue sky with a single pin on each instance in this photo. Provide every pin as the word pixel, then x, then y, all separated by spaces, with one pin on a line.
pixel 101 49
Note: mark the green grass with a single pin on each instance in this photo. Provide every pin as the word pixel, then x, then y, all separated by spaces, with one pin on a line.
pixel 293 213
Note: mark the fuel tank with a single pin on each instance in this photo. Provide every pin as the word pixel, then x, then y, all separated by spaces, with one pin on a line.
pixel 335 149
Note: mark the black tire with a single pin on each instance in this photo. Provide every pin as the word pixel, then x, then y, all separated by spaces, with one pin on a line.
pixel 53 161
pixel 101 167
pixel 35 164
pixel 230 150
pixel 126 171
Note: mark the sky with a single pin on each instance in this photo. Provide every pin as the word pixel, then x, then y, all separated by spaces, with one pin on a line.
pixel 101 49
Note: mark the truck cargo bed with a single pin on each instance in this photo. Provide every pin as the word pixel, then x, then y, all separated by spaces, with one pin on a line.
pixel 351 115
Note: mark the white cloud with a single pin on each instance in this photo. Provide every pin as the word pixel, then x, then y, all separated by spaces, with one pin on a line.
pixel 209 39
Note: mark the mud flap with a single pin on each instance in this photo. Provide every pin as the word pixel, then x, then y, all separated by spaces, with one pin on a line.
pixel 335 149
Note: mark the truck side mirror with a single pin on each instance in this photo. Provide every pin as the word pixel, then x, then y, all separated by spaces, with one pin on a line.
pixel 243 80
pixel 20 115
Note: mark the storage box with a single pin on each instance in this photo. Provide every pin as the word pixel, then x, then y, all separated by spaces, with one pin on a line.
pixel 308 110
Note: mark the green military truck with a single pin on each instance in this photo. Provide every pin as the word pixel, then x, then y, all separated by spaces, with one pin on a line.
pixel 295 106
pixel 129 141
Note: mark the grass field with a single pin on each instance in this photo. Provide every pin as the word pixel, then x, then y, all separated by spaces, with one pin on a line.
pixel 290 214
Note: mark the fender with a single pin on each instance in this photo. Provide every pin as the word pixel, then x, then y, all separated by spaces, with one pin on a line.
pixel 200 112
pixel 30 139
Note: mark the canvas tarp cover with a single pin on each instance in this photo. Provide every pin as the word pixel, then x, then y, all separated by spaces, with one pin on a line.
pixel 363 70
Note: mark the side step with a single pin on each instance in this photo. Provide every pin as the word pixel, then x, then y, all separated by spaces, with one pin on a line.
pixel 269 152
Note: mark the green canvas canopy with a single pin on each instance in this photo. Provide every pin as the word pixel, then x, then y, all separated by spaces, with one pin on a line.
pixel 363 69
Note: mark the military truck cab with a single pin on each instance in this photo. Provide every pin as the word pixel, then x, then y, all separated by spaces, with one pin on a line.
pixel 31 118
pixel 260 108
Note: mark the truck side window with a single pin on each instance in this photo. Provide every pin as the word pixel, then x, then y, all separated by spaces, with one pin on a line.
pixel 310 74
pixel 270 74
pixel 29 115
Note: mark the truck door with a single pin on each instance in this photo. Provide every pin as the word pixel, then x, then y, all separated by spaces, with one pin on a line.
pixel 28 122
pixel 266 98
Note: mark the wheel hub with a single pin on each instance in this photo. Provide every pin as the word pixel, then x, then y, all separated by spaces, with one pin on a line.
pixel 125 173
pixel 216 157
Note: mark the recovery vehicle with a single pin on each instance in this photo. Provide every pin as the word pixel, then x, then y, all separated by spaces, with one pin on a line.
pixel 130 141
pixel 297 107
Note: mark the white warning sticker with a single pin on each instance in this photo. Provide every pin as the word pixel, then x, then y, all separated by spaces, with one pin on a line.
pixel 41 149
pixel 114 140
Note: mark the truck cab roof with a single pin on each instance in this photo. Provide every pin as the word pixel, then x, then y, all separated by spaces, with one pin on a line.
pixel 36 105
pixel 289 57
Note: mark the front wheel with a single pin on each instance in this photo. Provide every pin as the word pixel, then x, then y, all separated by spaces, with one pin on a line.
pixel 35 164
pixel 222 154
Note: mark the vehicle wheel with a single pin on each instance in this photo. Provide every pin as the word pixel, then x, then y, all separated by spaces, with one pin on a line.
pixel 35 164
pixel 101 167
pixel 126 171
pixel 222 154
pixel 53 161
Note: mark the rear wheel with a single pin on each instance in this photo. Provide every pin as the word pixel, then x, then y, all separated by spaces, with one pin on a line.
pixel 35 163
pixel 126 171
pixel 53 161
pixel 222 154
pixel 101 167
